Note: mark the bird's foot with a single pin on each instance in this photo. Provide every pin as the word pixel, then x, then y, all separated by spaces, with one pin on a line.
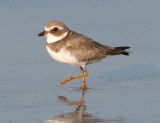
pixel 69 79
pixel 65 81
pixel 84 86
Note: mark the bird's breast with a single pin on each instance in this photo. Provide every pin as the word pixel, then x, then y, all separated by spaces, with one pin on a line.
pixel 63 56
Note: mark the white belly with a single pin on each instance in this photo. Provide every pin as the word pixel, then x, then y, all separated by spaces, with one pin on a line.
pixel 64 57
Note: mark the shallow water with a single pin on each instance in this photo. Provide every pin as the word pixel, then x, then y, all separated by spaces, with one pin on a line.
pixel 123 89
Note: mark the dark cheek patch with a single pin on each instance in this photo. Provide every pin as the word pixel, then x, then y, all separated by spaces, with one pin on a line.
pixel 58 33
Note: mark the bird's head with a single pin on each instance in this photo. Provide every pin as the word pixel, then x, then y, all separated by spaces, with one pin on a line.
pixel 54 31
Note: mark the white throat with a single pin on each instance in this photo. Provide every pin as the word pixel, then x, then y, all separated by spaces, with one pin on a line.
pixel 51 38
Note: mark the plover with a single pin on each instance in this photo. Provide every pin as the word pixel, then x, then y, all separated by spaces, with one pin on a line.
pixel 69 47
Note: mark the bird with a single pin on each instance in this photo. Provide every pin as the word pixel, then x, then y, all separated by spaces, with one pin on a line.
pixel 70 47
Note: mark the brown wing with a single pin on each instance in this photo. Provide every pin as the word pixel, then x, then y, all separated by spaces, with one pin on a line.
pixel 85 49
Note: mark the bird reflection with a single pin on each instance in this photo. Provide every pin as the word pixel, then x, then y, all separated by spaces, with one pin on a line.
pixel 80 105
pixel 79 115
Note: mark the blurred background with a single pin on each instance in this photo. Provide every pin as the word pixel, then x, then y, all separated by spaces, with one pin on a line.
pixel 123 89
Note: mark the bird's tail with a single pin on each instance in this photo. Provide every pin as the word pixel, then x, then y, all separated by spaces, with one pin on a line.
pixel 119 51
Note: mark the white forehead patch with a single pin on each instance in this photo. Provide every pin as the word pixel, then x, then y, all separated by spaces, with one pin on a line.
pixel 52 38
pixel 46 29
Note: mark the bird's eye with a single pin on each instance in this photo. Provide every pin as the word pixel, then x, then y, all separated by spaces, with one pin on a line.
pixel 54 29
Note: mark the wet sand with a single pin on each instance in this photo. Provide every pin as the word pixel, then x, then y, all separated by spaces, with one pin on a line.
pixel 123 89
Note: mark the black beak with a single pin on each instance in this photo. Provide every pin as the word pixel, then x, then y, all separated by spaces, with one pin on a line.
pixel 42 33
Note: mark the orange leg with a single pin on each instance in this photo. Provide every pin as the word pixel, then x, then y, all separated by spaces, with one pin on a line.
pixel 84 74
